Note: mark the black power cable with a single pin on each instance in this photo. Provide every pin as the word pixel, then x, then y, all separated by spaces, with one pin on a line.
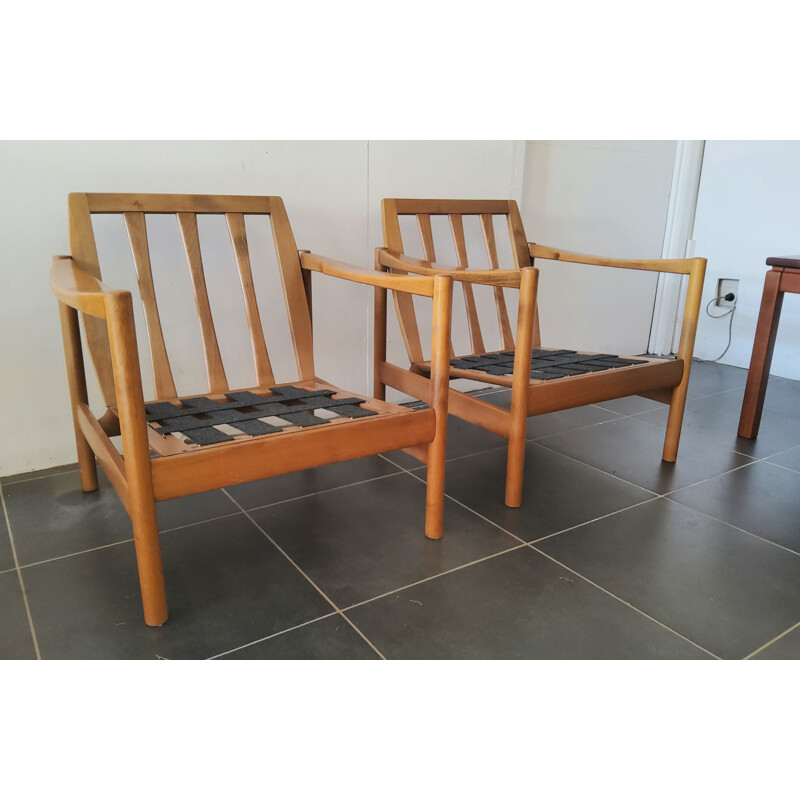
pixel 730 296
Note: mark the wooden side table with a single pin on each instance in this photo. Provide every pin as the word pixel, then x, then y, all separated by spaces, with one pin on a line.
pixel 783 277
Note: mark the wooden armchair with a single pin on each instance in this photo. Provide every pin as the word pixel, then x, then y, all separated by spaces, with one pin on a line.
pixel 180 445
pixel 541 379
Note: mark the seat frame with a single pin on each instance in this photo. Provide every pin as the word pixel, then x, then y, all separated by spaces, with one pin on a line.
pixel 153 468
pixel 658 379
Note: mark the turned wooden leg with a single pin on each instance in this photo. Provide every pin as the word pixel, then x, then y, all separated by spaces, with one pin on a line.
pixel 515 462
pixel 761 359
pixel 141 499
pixel 379 343
pixel 677 405
pixel 148 559
pixel 440 388
pixel 76 378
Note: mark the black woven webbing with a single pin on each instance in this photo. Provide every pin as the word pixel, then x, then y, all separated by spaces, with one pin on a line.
pixel 545 364
pixel 196 417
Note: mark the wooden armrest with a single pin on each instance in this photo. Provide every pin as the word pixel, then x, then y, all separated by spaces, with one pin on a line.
pixel 490 277
pixel 340 269
pixel 683 266
pixel 77 288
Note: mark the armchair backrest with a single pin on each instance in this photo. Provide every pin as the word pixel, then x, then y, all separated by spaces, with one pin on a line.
pixel 487 213
pixel 135 209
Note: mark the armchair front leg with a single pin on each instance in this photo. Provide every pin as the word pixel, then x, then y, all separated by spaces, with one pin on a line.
pixel 519 386
pixel 76 378
pixel 133 427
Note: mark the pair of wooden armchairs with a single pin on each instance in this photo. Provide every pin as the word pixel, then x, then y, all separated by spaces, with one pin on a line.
pixel 178 445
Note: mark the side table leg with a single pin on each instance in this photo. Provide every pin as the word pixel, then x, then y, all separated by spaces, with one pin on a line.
pixel 761 360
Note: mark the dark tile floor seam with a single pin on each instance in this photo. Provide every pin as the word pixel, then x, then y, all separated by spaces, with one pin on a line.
pixel 772 641
pixel 592 466
pixel 773 464
pixel 273 635
pixel 572 430
pixel 323 491
pixel 433 577
pixel 129 540
pixel 596 519
pixel 471 510
pixel 731 525
pixel 763 459
pixel 19 577
pixel 297 567
pixel 35 477
pixel 624 602
pixel 448 461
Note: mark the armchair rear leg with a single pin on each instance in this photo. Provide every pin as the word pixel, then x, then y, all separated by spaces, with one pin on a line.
pixel 379 343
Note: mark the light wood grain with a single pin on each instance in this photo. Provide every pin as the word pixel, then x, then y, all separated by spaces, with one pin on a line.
pixel 217 382
pixel 236 228
pixel 487 226
pixel 162 374
pixel 179 466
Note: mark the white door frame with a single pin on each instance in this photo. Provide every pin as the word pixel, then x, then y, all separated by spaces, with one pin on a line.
pixel 678 243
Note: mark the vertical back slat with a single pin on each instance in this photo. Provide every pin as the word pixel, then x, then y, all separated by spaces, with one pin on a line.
pixel 522 257
pixel 84 253
pixel 457 226
pixel 404 303
pixel 294 290
pixel 500 301
pixel 217 382
pixel 426 234
pixel 162 374
pixel 236 227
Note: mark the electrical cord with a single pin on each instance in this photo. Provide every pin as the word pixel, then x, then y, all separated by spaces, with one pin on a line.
pixel 729 313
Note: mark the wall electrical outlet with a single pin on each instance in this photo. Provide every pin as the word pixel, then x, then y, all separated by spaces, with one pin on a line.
pixel 726 286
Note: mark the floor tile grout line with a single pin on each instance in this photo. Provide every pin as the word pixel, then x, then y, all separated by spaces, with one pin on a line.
pixel 297 567
pixel 590 521
pixel 6 483
pixel 709 478
pixel 129 540
pixel 19 578
pixel 597 469
pixel 772 641
pixel 780 466
pixel 549 535
pixel 471 510
pixel 434 577
pixel 211 519
pixel 321 491
pixel 731 525
pixel 573 430
pixel 447 461
pixel 624 602
pixel 272 636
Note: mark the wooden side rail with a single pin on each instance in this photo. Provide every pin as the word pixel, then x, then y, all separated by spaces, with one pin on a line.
pixel 340 269
pixel 681 266
pixel 509 278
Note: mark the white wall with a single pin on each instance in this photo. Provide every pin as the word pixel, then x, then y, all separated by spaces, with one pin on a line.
pixel 748 209
pixel 606 198
pixel 332 192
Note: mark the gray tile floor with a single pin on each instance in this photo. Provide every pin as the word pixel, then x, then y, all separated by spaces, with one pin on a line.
pixel 613 554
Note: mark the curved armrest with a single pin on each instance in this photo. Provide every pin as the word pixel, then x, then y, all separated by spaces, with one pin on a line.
pixel 77 288
pixel 682 266
pixel 509 278
pixel 340 269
